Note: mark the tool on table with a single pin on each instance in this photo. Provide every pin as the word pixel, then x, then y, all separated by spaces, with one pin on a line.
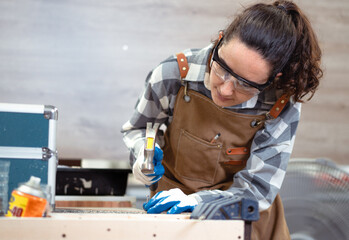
pixel 227 208
pixel 149 148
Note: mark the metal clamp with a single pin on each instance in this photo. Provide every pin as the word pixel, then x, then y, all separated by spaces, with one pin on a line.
pixel 227 208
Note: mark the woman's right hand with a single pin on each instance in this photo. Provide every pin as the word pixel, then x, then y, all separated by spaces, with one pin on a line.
pixel 149 179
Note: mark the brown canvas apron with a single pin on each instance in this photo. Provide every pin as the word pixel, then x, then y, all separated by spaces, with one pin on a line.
pixel 193 162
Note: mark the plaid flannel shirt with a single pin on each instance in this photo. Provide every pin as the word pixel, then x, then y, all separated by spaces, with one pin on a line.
pixel 271 148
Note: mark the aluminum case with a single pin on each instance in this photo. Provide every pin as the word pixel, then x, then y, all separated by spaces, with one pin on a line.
pixel 28 141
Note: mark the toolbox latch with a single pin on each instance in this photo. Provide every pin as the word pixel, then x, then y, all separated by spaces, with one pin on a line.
pixel 48 153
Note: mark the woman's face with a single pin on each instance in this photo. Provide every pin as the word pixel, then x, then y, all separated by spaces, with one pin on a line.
pixel 245 62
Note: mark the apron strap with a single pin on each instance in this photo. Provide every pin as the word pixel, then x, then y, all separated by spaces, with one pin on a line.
pixel 182 64
pixel 183 69
pixel 278 107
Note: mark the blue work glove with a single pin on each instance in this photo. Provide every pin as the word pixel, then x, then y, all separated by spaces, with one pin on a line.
pixel 149 179
pixel 173 201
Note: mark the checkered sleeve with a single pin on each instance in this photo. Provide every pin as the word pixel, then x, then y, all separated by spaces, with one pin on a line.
pixel 264 173
pixel 154 105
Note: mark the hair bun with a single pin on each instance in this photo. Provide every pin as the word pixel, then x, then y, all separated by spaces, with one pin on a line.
pixel 282 7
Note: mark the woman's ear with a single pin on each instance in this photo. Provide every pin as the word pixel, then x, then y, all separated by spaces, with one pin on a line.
pixel 277 76
pixel 276 81
pixel 220 35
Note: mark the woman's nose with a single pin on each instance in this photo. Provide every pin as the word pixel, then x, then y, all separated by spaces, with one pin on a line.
pixel 227 88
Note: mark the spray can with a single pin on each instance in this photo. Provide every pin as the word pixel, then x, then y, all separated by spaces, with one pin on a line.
pixel 28 200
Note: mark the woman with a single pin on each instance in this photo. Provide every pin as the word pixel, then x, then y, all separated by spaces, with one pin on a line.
pixel 230 115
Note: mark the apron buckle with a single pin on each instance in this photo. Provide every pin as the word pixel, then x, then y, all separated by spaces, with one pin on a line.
pixel 256 123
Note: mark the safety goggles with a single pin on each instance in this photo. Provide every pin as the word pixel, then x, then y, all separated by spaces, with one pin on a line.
pixel 241 84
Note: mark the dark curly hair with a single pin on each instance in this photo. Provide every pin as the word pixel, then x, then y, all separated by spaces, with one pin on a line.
pixel 283 35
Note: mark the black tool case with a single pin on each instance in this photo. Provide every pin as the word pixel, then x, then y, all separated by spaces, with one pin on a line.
pixel 91 181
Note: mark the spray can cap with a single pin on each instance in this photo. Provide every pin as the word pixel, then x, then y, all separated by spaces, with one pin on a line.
pixel 33 182
pixel 32 187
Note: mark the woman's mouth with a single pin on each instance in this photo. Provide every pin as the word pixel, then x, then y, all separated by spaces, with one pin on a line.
pixel 223 98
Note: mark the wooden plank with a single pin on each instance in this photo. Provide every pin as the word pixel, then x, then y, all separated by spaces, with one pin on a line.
pixel 65 201
pixel 104 204
pixel 118 226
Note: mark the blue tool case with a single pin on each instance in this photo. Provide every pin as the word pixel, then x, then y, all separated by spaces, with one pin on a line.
pixel 28 141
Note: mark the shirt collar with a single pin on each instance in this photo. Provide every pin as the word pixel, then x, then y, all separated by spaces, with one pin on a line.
pixel 198 64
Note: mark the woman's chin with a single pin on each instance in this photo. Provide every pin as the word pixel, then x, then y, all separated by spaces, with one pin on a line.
pixel 221 101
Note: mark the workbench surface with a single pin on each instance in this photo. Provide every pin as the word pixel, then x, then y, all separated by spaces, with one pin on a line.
pixel 127 223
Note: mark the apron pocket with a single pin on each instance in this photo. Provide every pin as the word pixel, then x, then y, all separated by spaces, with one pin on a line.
pixel 196 159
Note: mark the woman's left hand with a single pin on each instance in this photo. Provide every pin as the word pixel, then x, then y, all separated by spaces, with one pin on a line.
pixel 174 200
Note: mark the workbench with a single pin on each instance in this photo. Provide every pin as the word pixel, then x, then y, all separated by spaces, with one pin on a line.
pixel 120 223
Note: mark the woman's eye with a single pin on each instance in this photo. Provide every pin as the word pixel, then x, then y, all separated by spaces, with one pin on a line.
pixel 226 76
pixel 243 84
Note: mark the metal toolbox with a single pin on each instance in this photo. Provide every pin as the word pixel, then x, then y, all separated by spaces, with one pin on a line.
pixel 28 141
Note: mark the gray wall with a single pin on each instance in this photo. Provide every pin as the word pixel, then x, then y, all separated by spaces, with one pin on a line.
pixel 90 59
